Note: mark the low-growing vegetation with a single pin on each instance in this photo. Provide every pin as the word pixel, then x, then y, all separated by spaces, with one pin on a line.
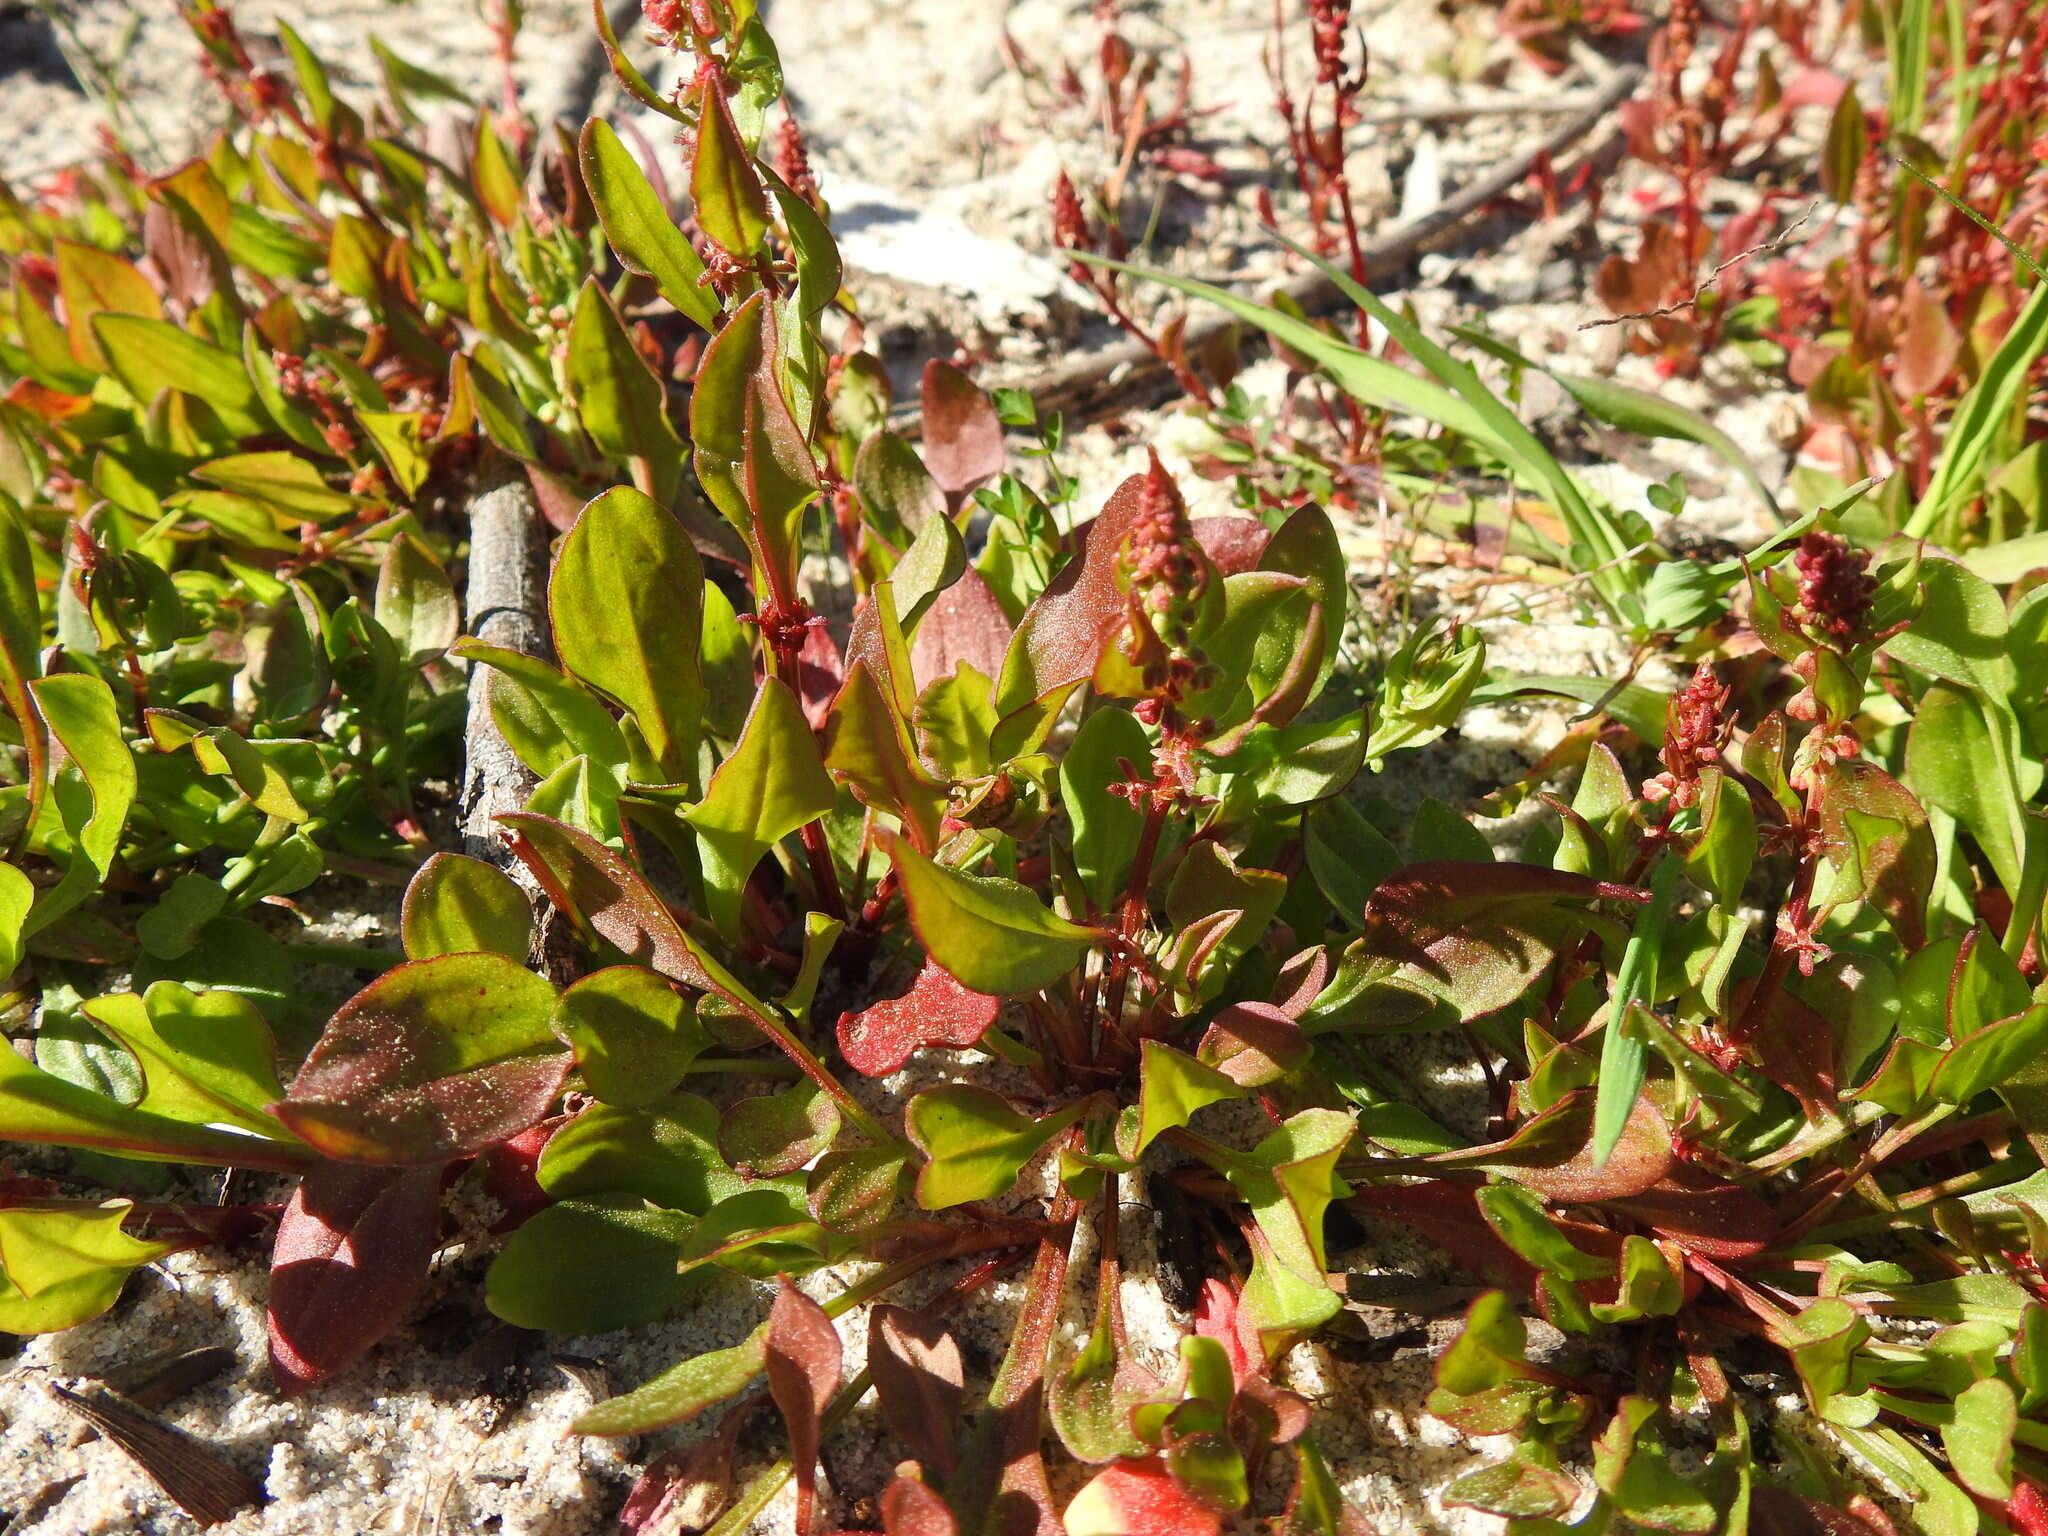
pixel 916 867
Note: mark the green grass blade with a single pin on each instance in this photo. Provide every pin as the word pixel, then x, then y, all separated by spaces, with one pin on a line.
pixel 1466 406
pixel 1604 543
pixel 1623 1058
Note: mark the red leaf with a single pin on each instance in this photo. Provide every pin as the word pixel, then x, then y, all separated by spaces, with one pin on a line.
pixel 1301 980
pixel 597 886
pixel 434 1060
pixel 1448 1215
pixel 1139 1498
pixel 910 1508
pixel 963 437
pixel 1233 543
pixel 1253 1044
pixel 350 1259
pixel 685 1489
pixel 1479 933
pixel 1067 627
pixel 804 1363
pixel 1640 1161
pixel 1711 1216
pixel 964 623
pixel 920 1380
pixel 511 1173
pixel 819 674
pixel 936 1010
pixel 1217 1317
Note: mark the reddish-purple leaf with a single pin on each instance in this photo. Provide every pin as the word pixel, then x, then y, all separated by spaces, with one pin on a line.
pixel 1301 980
pixel 1639 1161
pixel 920 1380
pixel 910 1508
pixel 820 673
pixel 1253 1044
pixel 350 1258
pixel 511 1173
pixel 1234 544
pixel 1064 631
pixel 1695 1209
pixel 936 1010
pixel 1874 829
pixel 1477 934
pixel 434 1060
pixel 686 1489
pixel 602 889
pixel 1448 1215
pixel 963 623
pixel 804 1365
pixel 1139 1498
pixel 963 437
pixel 1775 1512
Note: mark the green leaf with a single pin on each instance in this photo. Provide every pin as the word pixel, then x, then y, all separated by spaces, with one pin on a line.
pixel 1631 1467
pixel 773 1134
pixel 148 356
pixel 400 440
pixel 990 934
pixel 1466 406
pixel 415 601
pixel 1954 762
pixel 17 894
pixel 227 754
pixel 207 1058
pixel 38 1107
pixel 1171 1087
pixel 1978 1438
pixel 546 718
pixel 665 1152
pixel 772 784
pixel 1990 1056
pixel 93 788
pixel 974 1143
pixel 1721 859
pixel 1209 881
pixel 95 282
pixel 61 1267
pixel 434 1060
pixel 633 1032
pixel 935 560
pixel 751 455
pixel 868 745
pixel 591 1265
pixel 1347 855
pixel 280 478
pixel 626 597
pixel 619 399
pixel 1290 1180
pixel 1518 1218
pixel 732 208
pixel 1106 826
pixel 491 174
pixel 681 1392
pixel 955 720
pixel 645 238
pixel 457 904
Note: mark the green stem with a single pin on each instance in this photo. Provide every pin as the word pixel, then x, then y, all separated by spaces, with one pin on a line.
pixel 743 1066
